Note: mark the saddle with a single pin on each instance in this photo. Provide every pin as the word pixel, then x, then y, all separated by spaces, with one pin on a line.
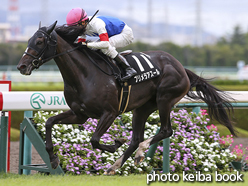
pixel 141 62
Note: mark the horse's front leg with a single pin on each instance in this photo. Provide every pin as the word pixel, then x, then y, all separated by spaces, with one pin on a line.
pixel 104 123
pixel 67 117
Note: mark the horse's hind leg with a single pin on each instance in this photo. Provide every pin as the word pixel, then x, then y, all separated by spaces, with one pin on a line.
pixel 67 117
pixel 140 116
pixel 164 132
pixel 104 123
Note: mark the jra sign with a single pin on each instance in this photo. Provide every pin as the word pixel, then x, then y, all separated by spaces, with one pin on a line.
pixel 38 100
pixel 43 100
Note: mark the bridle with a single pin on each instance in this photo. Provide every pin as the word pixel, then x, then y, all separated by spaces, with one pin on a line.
pixel 48 52
pixel 50 45
pixel 49 49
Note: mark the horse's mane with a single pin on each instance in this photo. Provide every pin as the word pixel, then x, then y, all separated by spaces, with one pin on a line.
pixel 69 33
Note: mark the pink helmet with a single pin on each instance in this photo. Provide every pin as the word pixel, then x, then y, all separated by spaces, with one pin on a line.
pixel 76 15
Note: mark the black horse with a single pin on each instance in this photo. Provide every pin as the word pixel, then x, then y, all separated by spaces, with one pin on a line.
pixel 91 93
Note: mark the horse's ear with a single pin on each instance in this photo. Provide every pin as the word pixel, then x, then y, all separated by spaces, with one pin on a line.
pixel 39 24
pixel 51 27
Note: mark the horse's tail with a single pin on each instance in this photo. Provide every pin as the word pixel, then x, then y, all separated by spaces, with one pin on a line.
pixel 216 99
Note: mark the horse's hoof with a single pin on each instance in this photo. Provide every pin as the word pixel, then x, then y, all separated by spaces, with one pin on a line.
pixel 109 172
pixel 55 162
pixel 138 160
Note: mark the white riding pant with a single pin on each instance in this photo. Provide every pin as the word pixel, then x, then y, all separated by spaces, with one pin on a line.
pixel 118 41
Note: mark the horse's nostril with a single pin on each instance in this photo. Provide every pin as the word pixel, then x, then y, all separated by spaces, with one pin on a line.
pixel 21 67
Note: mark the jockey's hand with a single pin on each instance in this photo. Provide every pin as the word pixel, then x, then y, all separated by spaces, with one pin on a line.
pixel 81 44
pixel 84 44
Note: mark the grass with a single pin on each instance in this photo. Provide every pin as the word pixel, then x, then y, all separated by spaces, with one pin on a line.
pixel 232 87
pixel 14 134
pixel 59 86
pixel 224 131
pixel 38 86
pixel 86 180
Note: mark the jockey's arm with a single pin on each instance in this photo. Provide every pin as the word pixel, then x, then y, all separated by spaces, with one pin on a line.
pixel 99 27
pixel 102 44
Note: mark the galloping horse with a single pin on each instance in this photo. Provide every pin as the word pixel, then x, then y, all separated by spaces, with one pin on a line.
pixel 92 93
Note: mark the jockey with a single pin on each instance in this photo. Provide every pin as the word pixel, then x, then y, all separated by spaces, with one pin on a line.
pixel 113 33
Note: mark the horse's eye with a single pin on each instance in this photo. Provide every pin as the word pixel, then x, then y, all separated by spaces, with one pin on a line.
pixel 39 42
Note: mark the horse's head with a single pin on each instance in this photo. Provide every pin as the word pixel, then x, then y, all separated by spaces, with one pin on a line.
pixel 41 48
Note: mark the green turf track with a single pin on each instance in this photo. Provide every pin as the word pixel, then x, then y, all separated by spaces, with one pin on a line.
pixel 85 180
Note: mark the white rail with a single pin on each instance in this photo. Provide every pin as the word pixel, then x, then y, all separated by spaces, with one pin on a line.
pixel 54 100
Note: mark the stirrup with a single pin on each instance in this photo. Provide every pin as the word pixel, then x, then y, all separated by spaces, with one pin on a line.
pixel 132 72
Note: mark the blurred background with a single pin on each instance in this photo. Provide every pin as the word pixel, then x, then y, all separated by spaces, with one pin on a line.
pixel 207 36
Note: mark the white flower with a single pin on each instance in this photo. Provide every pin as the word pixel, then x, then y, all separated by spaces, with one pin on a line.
pixel 76 131
pixel 227 150
pixel 196 141
pixel 205 163
pixel 87 139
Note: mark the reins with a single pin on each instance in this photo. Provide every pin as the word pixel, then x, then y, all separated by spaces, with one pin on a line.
pixel 106 61
pixel 116 75
pixel 39 60
pixel 63 53
pixel 90 58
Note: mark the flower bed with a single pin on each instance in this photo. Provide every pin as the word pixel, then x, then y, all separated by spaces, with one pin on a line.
pixel 192 147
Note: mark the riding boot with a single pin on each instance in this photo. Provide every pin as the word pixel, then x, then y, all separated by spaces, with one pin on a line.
pixel 130 72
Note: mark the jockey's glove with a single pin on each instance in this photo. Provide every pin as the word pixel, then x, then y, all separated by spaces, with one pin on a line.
pixel 81 44
pixel 84 44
